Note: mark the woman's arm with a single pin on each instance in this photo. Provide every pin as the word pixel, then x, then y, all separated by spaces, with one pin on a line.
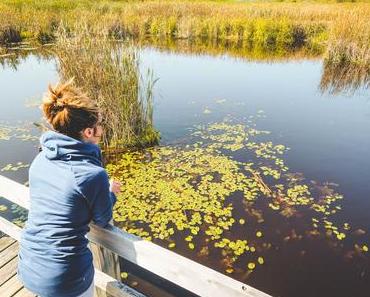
pixel 104 199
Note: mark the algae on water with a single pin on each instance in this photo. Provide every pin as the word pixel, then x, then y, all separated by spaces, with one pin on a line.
pixel 191 192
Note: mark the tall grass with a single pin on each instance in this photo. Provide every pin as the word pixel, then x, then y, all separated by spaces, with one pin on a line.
pixel 109 73
pixel 9 34
pixel 315 27
pixel 350 44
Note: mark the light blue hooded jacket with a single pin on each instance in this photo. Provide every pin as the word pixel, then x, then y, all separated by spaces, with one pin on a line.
pixel 69 188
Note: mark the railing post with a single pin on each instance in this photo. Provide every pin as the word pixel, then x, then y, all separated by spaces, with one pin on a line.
pixel 107 262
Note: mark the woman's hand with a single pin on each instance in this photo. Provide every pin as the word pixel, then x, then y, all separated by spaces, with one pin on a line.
pixel 115 186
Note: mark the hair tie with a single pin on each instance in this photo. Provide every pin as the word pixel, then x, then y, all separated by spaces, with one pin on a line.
pixel 57 107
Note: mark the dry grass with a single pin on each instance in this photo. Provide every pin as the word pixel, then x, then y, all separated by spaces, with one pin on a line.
pixel 110 75
pixel 340 29
pixel 350 44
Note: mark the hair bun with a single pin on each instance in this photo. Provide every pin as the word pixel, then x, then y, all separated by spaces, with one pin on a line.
pixel 56 96
pixel 69 110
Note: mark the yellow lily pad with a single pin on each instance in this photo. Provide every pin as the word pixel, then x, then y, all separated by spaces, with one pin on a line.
pixel 251 265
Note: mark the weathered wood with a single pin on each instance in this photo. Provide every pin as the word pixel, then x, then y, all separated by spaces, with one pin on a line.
pixel 184 272
pixel 114 287
pixel 8 254
pixel 11 287
pixel 107 262
pixel 8 270
pixel 6 241
pixel 109 267
pixel 24 293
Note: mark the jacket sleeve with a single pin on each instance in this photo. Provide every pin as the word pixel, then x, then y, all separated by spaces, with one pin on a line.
pixel 104 200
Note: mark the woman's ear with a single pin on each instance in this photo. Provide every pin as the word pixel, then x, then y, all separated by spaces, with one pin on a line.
pixel 87 133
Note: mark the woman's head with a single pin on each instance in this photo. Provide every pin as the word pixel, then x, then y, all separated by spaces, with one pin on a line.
pixel 71 112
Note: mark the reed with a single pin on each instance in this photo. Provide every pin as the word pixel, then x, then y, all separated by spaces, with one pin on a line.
pixel 9 34
pixel 350 44
pixel 316 27
pixel 109 72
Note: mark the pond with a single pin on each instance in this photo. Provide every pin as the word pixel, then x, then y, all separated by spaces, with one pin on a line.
pixel 274 169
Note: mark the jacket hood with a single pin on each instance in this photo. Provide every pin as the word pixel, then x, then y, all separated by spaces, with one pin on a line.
pixel 59 146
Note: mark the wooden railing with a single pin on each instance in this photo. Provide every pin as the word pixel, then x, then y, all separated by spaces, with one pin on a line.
pixel 188 274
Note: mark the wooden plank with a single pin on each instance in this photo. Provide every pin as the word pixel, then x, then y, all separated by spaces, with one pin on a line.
pixel 6 241
pixel 24 293
pixel 10 287
pixel 107 262
pixel 184 272
pixel 8 254
pixel 8 270
pixel 114 287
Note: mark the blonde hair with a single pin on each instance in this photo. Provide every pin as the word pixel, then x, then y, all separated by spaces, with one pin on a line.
pixel 69 110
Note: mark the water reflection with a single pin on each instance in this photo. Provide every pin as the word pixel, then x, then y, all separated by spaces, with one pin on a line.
pixel 334 79
pixel 344 79
pixel 328 144
pixel 233 48
pixel 13 56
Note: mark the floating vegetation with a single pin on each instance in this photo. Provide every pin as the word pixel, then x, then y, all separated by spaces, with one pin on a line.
pixel 190 192
pixel 22 132
pixel 33 102
pixel 4 133
pixel 14 167
pixel 19 215
pixel 13 212
pixel 207 111
pixel 27 137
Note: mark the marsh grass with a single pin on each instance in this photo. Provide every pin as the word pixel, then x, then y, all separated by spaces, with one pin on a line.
pixel 9 34
pixel 350 44
pixel 109 73
pixel 315 27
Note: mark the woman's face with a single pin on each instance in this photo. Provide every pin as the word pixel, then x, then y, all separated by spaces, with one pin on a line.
pixel 98 132
pixel 94 134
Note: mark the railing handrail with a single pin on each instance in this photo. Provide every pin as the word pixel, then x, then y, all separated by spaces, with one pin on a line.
pixel 179 270
pixel 101 280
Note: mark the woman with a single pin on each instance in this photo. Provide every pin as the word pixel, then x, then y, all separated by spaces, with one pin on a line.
pixel 69 188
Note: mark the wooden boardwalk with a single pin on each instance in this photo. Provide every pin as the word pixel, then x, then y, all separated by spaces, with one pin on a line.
pixel 183 272
pixel 10 286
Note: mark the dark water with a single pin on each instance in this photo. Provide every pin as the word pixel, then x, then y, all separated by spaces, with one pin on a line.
pixel 328 136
